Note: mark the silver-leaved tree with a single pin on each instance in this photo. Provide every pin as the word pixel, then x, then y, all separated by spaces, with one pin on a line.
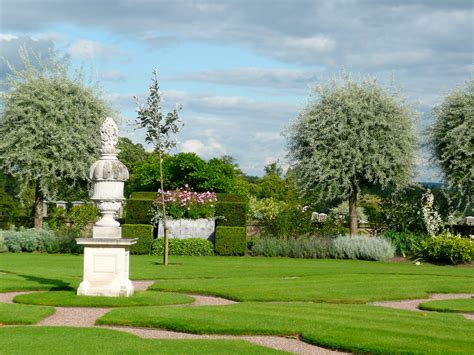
pixel 159 132
pixel 49 127
pixel 351 135
pixel 452 144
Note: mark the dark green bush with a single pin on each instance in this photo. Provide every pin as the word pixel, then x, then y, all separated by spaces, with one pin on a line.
pixel 405 243
pixel 231 240
pixel 137 211
pixel 231 214
pixel 144 195
pixel 448 248
pixel 187 246
pixel 144 233
pixel 222 197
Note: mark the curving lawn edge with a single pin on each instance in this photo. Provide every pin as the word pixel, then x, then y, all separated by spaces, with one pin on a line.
pixel 456 305
pixel 70 299
pixel 11 313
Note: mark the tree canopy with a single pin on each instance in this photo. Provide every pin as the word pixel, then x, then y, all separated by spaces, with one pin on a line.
pixel 49 124
pixel 352 134
pixel 452 143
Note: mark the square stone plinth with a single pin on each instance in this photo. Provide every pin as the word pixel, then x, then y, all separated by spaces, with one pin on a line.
pixel 106 267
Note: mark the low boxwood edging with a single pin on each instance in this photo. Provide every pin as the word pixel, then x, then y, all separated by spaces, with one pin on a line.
pixel 187 246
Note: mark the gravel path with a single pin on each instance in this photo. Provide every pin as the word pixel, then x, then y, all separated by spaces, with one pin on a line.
pixel 412 305
pixel 292 345
pixel 87 316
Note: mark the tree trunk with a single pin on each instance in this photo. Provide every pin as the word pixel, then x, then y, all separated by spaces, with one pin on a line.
pixel 163 206
pixel 38 207
pixel 353 212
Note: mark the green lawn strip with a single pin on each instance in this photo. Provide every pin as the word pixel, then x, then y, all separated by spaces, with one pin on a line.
pixel 22 313
pixel 70 299
pixel 339 288
pixel 459 305
pixel 59 267
pixel 13 282
pixel 350 327
pixel 63 340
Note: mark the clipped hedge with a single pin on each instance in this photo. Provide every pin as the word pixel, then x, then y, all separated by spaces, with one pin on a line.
pixel 144 195
pixel 231 214
pixel 144 233
pixel 231 240
pixel 188 246
pixel 137 211
pixel 223 197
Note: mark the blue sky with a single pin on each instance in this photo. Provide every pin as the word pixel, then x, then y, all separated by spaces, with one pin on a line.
pixel 242 70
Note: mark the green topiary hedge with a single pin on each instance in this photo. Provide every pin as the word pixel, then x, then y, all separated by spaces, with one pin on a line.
pixel 144 233
pixel 144 195
pixel 188 246
pixel 231 240
pixel 137 211
pixel 448 248
pixel 231 214
pixel 223 197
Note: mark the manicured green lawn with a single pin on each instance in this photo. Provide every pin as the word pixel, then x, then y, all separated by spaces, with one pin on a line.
pixel 70 299
pixel 54 340
pixel 350 327
pixel 22 314
pixel 461 305
pixel 340 322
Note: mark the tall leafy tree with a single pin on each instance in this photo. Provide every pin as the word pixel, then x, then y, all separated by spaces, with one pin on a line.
pixel 452 143
pixel 352 134
pixel 49 127
pixel 159 132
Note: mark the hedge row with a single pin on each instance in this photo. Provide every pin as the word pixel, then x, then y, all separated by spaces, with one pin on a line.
pixel 137 211
pixel 144 233
pixel 231 240
pixel 188 246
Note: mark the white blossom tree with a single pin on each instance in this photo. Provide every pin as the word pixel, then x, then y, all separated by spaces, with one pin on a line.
pixel 352 134
pixel 49 127
pixel 159 132
pixel 452 144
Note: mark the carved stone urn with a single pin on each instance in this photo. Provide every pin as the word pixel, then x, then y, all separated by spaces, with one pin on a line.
pixel 106 254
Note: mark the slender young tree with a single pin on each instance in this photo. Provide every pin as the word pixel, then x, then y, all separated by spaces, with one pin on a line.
pixel 49 127
pixel 351 135
pixel 452 144
pixel 159 131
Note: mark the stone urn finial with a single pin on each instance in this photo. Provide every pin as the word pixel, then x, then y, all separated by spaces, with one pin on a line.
pixel 108 176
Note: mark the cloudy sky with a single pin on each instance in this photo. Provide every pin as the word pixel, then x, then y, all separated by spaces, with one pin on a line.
pixel 242 70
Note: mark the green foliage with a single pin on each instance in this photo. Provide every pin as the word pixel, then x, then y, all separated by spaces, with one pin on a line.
pixel 187 246
pixel 138 211
pixel 332 227
pixel 342 211
pixel 144 195
pixel 227 197
pixel 354 134
pixel 144 233
pixel 452 143
pixel 130 153
pixel 231 240
pixel 231 214
pixel 406 243
pixel 448 248
pixel 363 248
pixel 74 219
pixel 49 125
pixel 43 240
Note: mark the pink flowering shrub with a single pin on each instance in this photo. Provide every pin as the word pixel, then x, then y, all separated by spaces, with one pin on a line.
pixel 184 203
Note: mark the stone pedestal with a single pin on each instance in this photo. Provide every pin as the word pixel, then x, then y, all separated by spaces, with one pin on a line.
pixel 106 267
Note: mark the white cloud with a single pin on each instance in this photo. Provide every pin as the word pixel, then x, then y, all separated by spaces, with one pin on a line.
pixel 92 49
pixel 7 37
pixel 211 148
pixel 112 76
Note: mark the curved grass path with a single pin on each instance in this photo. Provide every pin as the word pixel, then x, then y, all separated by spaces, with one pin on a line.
pixel 465 306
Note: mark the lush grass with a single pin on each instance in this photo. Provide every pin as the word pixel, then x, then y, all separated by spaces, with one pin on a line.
pixel 358 328
pixel 460 305
pixel 22 314
pixel 54 340
pixel 70 299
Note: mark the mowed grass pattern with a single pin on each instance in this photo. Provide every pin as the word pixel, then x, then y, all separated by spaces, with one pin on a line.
pixel 70 299
pixel 22 314
pixel 55 340
pixel 350 327
pixel 461 305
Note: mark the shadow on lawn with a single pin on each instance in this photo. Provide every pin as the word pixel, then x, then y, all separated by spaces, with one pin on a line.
pixel 57 285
